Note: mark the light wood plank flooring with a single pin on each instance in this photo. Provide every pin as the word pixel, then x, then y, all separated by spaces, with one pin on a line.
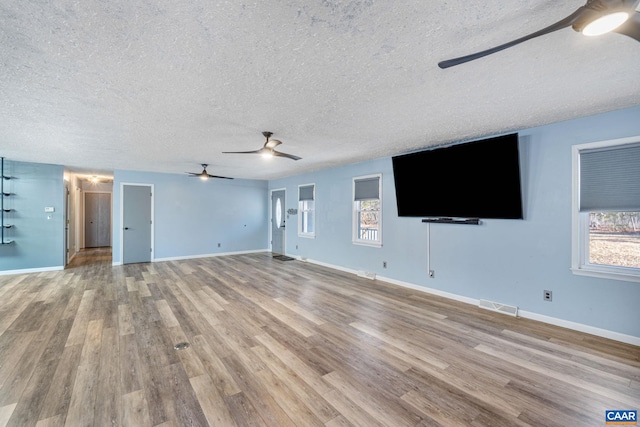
pixel 277 343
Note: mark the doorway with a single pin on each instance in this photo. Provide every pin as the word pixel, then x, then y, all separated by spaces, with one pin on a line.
pixel 137 225
pixel 67 221
pixel 278 222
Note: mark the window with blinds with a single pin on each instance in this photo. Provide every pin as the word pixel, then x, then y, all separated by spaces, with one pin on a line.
pixel 367 210
pixel 306 210
pixel 607 209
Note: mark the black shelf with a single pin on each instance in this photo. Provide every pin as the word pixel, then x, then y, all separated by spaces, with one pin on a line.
pixel 446 220
pixel 3 209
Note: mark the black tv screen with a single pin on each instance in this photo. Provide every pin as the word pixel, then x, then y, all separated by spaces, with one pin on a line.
pixel 478 179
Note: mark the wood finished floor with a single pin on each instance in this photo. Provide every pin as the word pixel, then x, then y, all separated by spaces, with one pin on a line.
pixel 277 343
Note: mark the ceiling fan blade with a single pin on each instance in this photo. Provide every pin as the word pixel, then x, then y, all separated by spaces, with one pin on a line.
pixel 288 156
pixel 631 28
pixel 242 152
pixel 564 23
pixel 206 175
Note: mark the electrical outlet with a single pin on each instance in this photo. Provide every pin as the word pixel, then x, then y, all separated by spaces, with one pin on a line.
pixel 384 264
pixel 296 247
pixel 218 244
pixel 547 295
pixel 432 273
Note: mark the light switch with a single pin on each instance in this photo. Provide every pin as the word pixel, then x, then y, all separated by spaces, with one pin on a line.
pixel 49 209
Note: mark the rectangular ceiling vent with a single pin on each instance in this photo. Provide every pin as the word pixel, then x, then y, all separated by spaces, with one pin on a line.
pixel 500 308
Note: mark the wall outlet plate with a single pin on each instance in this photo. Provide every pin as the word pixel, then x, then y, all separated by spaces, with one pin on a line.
pixel 547 296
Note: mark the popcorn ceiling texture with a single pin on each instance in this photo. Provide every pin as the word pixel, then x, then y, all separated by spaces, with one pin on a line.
pixel 166 85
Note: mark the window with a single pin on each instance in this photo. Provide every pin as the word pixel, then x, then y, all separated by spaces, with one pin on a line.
pixel 606 209
pixel 367 210
pixel 306 210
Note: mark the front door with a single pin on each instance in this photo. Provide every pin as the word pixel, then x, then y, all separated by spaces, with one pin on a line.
pixel 277 222
pixel 136 224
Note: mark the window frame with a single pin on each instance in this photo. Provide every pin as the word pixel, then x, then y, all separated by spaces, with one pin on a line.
pixel 580 264
pixel 354 213
pixel 301 233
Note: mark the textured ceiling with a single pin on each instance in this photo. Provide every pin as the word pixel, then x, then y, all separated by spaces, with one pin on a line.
pixel 158 85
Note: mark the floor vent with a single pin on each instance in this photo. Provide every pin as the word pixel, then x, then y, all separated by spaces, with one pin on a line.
pixel 367 274
pixel 181 346
pixel 501 308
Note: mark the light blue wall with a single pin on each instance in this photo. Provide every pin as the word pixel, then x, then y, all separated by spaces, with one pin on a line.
pixel 192 216
pixel 508 261
pixel 38 240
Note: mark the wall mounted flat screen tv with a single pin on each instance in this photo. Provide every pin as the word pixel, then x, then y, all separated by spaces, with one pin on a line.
pixel 478 179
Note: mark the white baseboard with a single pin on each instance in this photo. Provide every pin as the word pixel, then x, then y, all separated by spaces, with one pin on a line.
pixel 180 258
pixel 432 291
pixel 604 333
pixel 185 257
pixel 324 264
pixel 31 270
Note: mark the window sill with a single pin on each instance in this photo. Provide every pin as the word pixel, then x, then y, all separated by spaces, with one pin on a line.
pixel 307 236
pixel 604 273
pixel 370 244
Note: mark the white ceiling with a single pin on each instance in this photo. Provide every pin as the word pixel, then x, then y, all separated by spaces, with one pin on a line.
pixel 159 85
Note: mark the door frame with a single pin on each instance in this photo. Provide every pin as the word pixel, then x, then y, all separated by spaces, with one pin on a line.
pixel 271 219
pixel 67 222
pixel 153 220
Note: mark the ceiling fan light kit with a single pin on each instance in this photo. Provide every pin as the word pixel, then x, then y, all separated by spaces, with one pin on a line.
pixel 605 24
pixel 596 17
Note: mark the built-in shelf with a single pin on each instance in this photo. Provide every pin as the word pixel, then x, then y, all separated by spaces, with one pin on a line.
pixel 445 220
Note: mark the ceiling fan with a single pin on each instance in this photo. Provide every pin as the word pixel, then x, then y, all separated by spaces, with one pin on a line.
pixel 268 149
pixel 204 175
pixel 594 18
